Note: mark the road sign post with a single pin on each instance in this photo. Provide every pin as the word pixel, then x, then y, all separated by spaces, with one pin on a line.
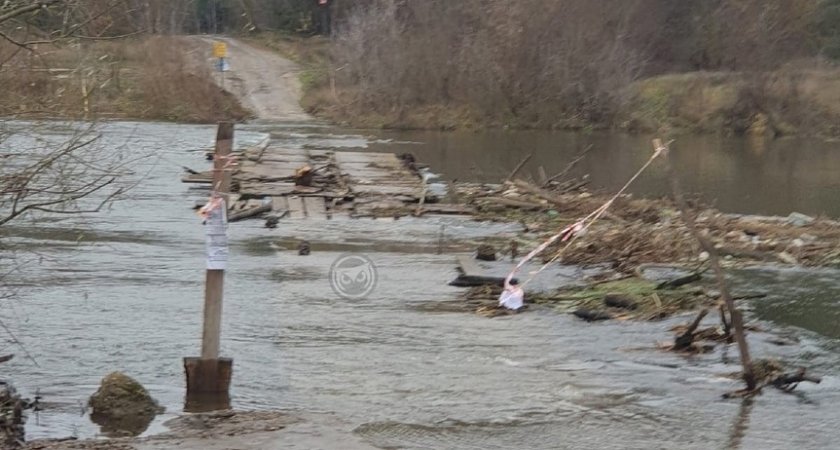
pixel 220 53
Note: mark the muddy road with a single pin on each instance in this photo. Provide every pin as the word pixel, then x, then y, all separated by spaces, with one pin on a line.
pixel 264 82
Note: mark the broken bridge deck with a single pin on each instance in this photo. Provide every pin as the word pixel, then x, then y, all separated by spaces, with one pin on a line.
pixel 344 184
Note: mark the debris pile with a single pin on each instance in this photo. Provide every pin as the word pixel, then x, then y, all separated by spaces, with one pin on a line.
pixel 638 231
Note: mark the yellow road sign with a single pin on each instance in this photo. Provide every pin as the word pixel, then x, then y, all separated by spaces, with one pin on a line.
pixel 219 50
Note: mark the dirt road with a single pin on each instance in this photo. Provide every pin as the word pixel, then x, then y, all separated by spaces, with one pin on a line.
pixel 264 81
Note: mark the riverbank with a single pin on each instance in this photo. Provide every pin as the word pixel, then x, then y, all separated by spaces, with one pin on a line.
pixel 784 102
pixel 163 78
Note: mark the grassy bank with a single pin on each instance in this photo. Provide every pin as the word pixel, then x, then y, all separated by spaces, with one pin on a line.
pixel 148 78
pixel 769 104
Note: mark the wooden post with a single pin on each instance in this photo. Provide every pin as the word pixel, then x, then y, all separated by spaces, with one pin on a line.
pixel 214 286
pixel 209 374
pixel 734 314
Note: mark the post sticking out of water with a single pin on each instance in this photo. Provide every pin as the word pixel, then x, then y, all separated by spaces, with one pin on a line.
pixel 734 313
pixel 208 377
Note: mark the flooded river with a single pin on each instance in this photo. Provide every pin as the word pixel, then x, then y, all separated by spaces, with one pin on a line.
pixel 734 174
pixel 123 289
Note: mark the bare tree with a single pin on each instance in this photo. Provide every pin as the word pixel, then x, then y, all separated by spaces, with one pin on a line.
pixel 41 174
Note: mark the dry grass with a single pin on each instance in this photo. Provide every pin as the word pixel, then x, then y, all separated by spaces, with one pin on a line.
pixel 151 78
pixel 782 102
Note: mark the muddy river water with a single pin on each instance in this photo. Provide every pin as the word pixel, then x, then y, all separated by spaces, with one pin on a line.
pixel 122 290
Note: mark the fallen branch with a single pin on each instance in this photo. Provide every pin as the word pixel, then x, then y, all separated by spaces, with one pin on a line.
pixel 519 167
pixel 570 166
pixel 685 340
pixel 788 382
pixel 419 211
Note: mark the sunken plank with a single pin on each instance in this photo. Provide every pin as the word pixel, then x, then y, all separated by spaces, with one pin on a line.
pixel 296 208
pixel 279 203
pixel 201 177
pixel 266 189
pixel 448 208
pixel 315 208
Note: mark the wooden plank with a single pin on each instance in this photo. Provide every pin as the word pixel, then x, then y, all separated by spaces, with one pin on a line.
pixel 315 208
pixel 386 190
pixel 320 155
pixel 266 189
pixel 289 159
pixel 268 171
pixel 366 157
pixel 296 208
pixel 202 177
pixel 448 208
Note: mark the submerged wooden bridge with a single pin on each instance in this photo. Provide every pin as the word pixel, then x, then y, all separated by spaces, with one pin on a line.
pixel 297 183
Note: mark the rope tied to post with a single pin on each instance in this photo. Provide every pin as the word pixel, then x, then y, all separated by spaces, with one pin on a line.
pixel 217 198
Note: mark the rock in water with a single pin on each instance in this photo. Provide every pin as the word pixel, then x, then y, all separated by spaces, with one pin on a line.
pixel 122 406
pixel 486 252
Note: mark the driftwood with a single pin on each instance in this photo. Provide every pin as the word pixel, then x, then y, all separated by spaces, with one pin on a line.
pixel 519 167
pixel 745 253
pixel 569 167
pixel 553 198
pixel 788 382
pixel 485 252
pixel 419 210
pixel 572 186
pixel 539 192
pixel 513 203
pixel 542 176
pixel 686 339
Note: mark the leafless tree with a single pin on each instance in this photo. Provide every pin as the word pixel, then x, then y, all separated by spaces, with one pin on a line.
pixel 39 173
